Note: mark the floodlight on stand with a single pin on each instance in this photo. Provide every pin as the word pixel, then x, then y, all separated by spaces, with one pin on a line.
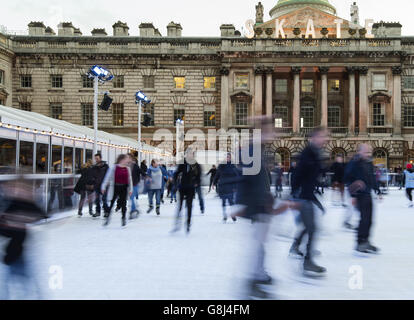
pixel 101 73
pixel 140 96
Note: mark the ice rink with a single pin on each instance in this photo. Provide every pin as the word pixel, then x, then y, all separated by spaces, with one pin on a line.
pixel 144 261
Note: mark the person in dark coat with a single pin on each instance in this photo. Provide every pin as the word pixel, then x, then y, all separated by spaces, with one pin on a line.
pixel 225 180
pixel 99 171
pixel 86 187
pixel 338 170
pixel 278 171
pixel 136 178
pixel 144 168
pixel 304 183
pixel 187 178
pixel 361 181
pixel 212 173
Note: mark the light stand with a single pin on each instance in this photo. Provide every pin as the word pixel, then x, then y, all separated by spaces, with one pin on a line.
pixel 140 97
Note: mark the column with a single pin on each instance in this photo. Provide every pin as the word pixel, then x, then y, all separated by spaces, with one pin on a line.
pixel 351 118
pixel 258 91
pixel 397 124
pixel 224 97
pixel 269 91
pixel 363 100
pixel 324 102
pixel 296 99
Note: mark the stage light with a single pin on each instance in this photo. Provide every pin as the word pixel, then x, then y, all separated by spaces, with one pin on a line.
pixel 140 96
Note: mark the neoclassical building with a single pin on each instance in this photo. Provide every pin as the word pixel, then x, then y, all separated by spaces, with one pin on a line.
pixel 305 66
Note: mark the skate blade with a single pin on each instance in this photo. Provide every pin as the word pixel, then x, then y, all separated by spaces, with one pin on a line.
pixel 314 275
pixel 295 257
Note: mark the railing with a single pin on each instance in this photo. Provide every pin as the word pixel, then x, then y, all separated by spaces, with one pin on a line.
pixel 381 130
pixel 339 131
pixel 284 131
pixel 306 131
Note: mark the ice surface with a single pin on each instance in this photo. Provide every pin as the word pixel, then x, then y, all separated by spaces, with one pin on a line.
pixel 144 261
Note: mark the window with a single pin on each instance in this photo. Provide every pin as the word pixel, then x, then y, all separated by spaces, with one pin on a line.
pixel 87 114
pixel 334 117
pixel 209 116
pixel 149 82
pixel 1 77
pixel 378 115
pixel 379 82
pixel 179 82
pixel 242 81
pixel 78 159
pixel 56 111
pixel 26 81
pixel 380 157
pixel 209 82
pixel 7 153
pixel 307 117
pixel 281 85
pixel 87 82
pixel 242 112
pixel 56 159
pixel 307 85
pixel 118 114
pixel 408 82
pixel 334 86
pixel 26 106
pixel 408 116
pixel 57 81
pixel 283 157
pixel 149 108
pixel 119 82
pixel 42 155
pixel 179 113
pixel 68 160
pixel 281 116
pixel 26 156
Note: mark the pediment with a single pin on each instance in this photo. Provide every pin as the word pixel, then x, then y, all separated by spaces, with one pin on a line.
pixel 380 96
pixel 299 19
pixel 241 96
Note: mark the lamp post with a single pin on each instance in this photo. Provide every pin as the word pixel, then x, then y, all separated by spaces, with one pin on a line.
pixel 140 98
pixel 99 75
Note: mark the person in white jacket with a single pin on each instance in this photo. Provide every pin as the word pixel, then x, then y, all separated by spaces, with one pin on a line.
pixel 119 179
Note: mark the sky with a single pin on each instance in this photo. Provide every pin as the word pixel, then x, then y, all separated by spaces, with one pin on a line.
pixel 197 17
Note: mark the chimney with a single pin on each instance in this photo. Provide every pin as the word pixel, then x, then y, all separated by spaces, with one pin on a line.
pixel 99 32
pixel 121 29
pixel 148 30
pixel 174 29
pixel 36 28
pixel 66 29
pixel 227 30
pixel 49 32
pixel 77 32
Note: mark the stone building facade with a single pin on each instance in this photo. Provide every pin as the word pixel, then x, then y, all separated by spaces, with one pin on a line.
pixel 360 85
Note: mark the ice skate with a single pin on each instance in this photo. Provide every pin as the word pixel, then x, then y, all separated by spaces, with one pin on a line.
pixel 158 211
pixel 295 253
pixel 150 210
pixel 313 270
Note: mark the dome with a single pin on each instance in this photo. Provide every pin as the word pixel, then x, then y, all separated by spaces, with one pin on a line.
pixel 286 6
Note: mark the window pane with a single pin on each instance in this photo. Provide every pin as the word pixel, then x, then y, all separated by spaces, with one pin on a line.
pixel 26 156
pixel 179 82
pixel 209 118
pixel 118 82
pixel 68 160
pixel 379 81
pixel 56 111
pixel 7 153
pixel 26 81
pixel 334 117
pixel 78 159
pixel 56 160
pixel 57 81
pixel 307 117
pixel 378 114
pixel 209 82
pixel 409 82
pixel 87 82
pixel 149 108
pixel 179 113
pixel 26 106
pixel 307 85
pixel 242 80
pixel 408 116
pixel 281 115
pixel 118 114
pixel 281 85
pixel 42 156
pixel 242 112
pixel 87 114
pixel 1 77
pixel 88 155
pixel 334 86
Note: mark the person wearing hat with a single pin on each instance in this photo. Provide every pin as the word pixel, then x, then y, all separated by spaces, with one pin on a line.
pixel 409 183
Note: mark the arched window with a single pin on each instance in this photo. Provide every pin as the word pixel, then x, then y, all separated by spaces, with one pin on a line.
pixel 283 157
pixel 338 152
pixel 380 157
pixel 410 155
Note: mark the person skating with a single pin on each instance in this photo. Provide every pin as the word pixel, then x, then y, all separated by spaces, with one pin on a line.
pixel 409 183
pixel 144 168
pixel 187 178
pixel 279 179
pixel 338 170
pixel 119 180
pixel 360 179
pixel 154 178
pixel 212 174
pixel 226 177
pixel 99 171
pixel 164 181
pixel 199 192
pixel 304 184
pixel 85 187
pixel 172 188
pixel 136 178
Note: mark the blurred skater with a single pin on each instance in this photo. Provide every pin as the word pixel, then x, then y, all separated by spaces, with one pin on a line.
pixel 212 174
pixel 155 176
pixel 85 187
pixel 136 178
pixel 99 171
